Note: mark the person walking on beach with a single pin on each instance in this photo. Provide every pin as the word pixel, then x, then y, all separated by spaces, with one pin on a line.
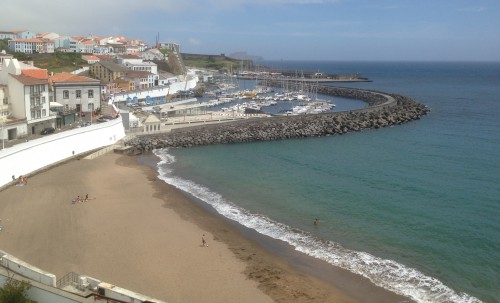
pixel 203 242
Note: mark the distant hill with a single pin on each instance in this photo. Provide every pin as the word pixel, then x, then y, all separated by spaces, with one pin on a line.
pixel 245 56
pixel 219 62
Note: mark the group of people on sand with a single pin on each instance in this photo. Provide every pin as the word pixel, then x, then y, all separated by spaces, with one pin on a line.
pixel 79 199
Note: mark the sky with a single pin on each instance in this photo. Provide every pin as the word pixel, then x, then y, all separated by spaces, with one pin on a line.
pixel 336 30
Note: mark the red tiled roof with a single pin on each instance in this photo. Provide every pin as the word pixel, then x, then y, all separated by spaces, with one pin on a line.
pixel 36 40
pixel 26 80
pixel 104 57
pixel 90 57
pixel 36 73
pixel 68 77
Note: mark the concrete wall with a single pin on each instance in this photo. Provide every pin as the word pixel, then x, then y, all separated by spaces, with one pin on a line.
pixel 27 270
pixel 43 285
pixel 118 293
pixel 40 294
pixel 26 158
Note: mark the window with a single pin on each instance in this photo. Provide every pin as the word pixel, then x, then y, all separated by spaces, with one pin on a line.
pixel 91 93
pixel 66 94
pixel 44 112
pixel 43 99
pixel 78 93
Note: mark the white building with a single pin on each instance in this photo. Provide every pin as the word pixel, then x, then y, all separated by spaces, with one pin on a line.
pixel 31 46
pixel 28 94
pixel 75 93
pixel 7 35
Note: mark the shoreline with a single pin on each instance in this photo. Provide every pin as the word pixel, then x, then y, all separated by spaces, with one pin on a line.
pixel 139 224
pixel 354 287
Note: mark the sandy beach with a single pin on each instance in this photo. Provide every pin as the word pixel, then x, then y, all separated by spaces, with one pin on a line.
pixel 141 234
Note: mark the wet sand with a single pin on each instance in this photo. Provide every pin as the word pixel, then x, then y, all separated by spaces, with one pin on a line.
pixel 146 236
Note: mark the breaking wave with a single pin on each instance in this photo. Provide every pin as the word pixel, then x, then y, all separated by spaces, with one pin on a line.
pixel 385 273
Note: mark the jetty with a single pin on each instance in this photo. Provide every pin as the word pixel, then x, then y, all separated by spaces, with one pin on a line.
pixel 384 110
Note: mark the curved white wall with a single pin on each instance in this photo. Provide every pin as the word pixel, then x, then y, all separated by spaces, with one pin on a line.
pixel 28 157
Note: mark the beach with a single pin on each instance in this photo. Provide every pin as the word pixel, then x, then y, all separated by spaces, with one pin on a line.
pixel 141 234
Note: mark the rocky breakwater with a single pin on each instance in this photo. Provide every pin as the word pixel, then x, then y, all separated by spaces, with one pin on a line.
pixel 385 110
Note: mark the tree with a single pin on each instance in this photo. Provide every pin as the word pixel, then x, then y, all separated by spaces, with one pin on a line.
pixel 14 291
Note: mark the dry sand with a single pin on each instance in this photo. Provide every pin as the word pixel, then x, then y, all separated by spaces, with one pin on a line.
pixel 141 234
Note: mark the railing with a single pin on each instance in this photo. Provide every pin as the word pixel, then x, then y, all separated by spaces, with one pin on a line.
pixel 69 279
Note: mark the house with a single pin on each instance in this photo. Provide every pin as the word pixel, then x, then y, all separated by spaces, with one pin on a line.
pixel 25 90
pixel 124 49
pixel 136 63
pixel 85 46
pixel 7 35
pixel 75 93
pixel 142 79
pixel 90 59
pixel 23 34
pixel 48 35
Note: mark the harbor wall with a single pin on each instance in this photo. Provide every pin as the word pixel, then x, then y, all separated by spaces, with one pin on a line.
pixel 26 158
pixel 383 110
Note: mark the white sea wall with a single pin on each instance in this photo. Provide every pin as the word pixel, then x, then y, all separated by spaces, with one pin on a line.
pixel 125 295
pixel 25 269
pixel 26 158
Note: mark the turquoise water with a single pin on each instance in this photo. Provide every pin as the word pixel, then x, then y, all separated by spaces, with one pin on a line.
pixel 414 208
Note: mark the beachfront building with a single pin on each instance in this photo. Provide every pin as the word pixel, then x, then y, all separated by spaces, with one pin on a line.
pixel 25 90
pixel 74 94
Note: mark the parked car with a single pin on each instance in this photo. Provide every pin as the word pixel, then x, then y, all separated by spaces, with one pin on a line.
pixel 47 130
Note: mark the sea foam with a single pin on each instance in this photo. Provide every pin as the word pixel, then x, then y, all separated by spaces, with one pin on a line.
pixel 385 273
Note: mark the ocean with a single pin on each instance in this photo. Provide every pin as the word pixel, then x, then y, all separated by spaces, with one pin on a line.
pixel 414 208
